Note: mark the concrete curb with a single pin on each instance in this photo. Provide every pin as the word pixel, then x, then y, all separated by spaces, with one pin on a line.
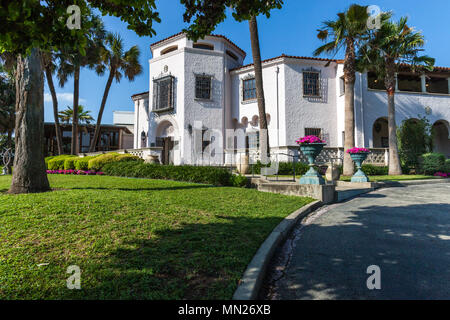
pixel 253 276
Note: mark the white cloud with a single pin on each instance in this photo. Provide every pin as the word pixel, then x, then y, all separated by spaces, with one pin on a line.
pixel 63 97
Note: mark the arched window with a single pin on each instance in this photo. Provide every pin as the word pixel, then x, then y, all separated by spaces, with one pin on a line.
pixel 169 49
pixel 204 46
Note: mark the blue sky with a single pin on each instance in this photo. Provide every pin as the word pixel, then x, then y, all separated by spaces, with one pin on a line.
pixel 291 30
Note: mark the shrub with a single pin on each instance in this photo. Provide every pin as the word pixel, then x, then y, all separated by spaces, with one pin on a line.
pixel 57 163
pixel 83 163
pixel 239 181
pixel 372 170
pixel 99 162
pixel 446 167
pixel 207 175
pixel 284 168
pixel 69 163
pixel 432 163
pixel 47 159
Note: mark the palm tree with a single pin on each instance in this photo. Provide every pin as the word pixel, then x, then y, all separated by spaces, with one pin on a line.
pixel 71 63
pixel 392 45
pixel 256 52
pixel 49 69
pixel 119 63
pixel 66 116
pixel 347 32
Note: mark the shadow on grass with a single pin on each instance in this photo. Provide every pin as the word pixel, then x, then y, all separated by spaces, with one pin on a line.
pixel 147 189
pixel 410 244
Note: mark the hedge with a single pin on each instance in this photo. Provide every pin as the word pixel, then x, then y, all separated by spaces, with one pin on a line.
pixel 207 175
pixel 83 163
pixel 432 163
pixel 99 162
pixel 284 168
pixel 57 163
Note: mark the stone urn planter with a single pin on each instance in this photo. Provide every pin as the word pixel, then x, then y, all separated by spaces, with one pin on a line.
pixel 311 146
pixel 358 155
pixel 243 166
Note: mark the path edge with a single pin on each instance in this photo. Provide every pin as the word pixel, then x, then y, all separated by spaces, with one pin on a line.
pixel 251 281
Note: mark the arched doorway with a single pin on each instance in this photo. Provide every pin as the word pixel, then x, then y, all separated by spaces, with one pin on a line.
pixel 441 137
pixel 380 133
pixel 165 138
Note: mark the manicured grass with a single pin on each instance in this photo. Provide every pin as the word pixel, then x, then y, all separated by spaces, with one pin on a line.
pixel 132 238
pixel 394 178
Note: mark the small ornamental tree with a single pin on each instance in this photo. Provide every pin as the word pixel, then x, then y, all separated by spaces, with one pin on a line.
pixel 30 27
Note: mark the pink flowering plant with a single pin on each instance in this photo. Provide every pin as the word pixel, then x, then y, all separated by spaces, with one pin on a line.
pixel 309 140
pixel 76 172
pixel 442 174
pixel 358 150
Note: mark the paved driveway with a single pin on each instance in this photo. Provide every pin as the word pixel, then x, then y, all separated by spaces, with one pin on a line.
pixel 404 231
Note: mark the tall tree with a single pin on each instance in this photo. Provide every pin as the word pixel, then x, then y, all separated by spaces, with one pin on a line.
pixel 49 68
pixel 84 116
pixel 207 14
pixel 346 32
pixel 118 61
pixel 71 62
pixel 26 28
pixel 7 105
pixel 389 47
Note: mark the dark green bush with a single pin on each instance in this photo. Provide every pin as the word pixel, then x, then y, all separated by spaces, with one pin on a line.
pixel 239 181
pixel 372 170
pixel 284 168
pixel 432 163
pixel 207 175
pixel 446 168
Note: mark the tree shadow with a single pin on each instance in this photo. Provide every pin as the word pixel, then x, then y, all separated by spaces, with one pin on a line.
pixel 190 261
pixel 147 189
pixel 410 244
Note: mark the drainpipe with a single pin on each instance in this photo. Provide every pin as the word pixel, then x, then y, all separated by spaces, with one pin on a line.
pixel 362 111
pixel 277 71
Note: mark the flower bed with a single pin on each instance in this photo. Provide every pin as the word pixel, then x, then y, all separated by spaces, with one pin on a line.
pixel 358 150
pixel 77 172
pixel 309 139
pixel 442 174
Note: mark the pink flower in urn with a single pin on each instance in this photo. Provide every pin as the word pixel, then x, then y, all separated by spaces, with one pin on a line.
pixel 309 139
pixel 358 150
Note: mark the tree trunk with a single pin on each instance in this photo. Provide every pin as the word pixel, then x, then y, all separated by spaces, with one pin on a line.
pixel 76 95
pixel 51 86
pixel 349 110
pixel 9 139
pixel 29 166
pixel 394 158
pixel 100 112
pixel 263 135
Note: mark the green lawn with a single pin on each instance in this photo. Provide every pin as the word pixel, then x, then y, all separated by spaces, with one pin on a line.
pixel 140 239
pixel 394 178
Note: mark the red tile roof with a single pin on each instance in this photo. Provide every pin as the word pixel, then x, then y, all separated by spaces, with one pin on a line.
pixel 291 57
pixel 211 35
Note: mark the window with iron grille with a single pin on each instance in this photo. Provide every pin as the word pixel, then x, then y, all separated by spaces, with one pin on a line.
pixel 203 87
pixel 311 84
pixel 313 132
pixel 163 93
pixel 249 89
pixel 252 140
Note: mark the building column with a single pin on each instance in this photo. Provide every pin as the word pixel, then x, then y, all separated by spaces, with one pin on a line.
pixel 423 80
pixel 396 82
pixel 448 80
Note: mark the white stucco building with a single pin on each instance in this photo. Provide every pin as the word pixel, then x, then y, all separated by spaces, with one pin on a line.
pixel 196 87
